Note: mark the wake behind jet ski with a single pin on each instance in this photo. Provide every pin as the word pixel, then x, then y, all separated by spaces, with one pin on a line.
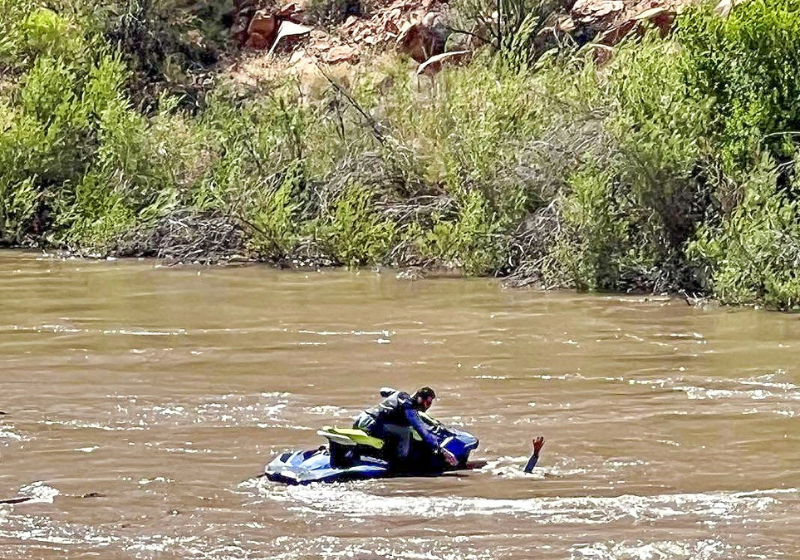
pixel 395 437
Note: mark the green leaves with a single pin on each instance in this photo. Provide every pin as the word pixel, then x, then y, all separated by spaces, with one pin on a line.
pixel 276 218
pixel 754 254
pixel 29 30
pixel 512 28
pixel 473 240
pixel 354 233
pixel 748 64
pixel 18 202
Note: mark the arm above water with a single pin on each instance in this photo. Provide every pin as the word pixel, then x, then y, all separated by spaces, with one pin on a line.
pixel 538 443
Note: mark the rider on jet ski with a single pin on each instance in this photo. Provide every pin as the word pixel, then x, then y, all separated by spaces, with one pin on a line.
pixel 395 417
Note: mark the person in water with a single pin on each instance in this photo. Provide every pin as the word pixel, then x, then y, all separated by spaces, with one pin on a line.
pixel 395 418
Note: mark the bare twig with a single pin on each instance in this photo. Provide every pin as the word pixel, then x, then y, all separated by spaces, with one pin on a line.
pixel 376 132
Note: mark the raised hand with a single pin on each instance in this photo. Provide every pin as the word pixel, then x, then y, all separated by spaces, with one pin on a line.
pixel 538 443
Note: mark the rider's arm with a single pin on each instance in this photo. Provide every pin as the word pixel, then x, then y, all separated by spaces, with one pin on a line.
pixel 422 428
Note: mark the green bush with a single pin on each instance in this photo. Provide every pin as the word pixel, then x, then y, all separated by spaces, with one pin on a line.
pixel 18 203
pixel 514 29
pixel 754 255
pixel 73 137
pixel 473 240
pixel 662 132
pixel 749 64
pixel 354 233
pixel 28 29
pixel 606 244
pixel 276 219
pixel 483 116
pixel 93 212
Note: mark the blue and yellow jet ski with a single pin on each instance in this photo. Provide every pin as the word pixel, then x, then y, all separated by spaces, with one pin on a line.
pixel 353 454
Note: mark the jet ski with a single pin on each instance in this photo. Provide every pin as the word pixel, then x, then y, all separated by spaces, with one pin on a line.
pixel 352 454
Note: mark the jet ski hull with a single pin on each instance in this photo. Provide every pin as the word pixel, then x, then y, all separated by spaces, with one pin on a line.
pixel 305 467
pixel 353 455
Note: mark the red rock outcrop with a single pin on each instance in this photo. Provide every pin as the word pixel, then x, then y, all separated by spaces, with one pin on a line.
pixel 418 28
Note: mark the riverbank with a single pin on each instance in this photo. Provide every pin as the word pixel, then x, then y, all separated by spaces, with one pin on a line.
pixel 665 164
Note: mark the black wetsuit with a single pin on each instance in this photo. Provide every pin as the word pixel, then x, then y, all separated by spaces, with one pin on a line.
pixel 394 417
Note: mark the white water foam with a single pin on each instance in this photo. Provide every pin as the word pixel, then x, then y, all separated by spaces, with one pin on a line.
pixel 39 492
pixel 514 468
pixel 9 434
pixel 658 550
pixel 346 501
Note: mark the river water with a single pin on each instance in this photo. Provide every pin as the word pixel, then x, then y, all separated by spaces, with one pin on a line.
pixel 142 402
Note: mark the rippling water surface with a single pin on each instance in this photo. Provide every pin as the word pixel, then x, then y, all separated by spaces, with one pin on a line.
pixel 142 402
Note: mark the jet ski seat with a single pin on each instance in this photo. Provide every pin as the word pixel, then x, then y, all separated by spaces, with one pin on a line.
pixel 347 445
pixel 350 437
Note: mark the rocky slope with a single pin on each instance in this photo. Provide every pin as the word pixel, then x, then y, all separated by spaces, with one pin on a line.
pixel 291 33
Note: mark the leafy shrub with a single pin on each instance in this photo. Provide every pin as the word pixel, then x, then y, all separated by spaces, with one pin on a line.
pixel 512 28
pixel 661 131
pixel 471 240
pixel 606 243
pixel 276 219
pixel 749 64
pixel 354 233
pixel 479 134
pixel 93 212
pixel 28 29
pixel 18 202
pixel 754 255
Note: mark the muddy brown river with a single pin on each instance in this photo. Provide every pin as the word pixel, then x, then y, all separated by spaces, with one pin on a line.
pixel 142 402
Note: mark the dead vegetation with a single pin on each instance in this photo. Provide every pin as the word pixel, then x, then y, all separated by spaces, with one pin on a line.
pixel 187 237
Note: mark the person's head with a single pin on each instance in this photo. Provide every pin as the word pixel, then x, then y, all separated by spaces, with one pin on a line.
pixel 423 398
